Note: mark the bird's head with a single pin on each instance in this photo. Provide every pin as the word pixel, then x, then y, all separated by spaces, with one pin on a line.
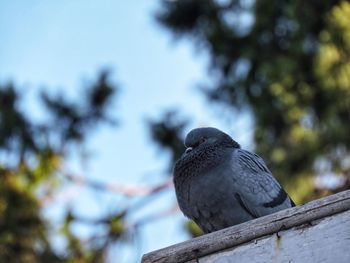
pixel 205 137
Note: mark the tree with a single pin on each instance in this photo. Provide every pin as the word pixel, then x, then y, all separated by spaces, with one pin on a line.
pixel 30 172
pixel 288 63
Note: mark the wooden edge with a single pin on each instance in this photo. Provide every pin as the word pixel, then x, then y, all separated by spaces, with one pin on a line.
pixel 245 232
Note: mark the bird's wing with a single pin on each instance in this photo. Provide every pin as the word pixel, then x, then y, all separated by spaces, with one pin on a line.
pixel 257 191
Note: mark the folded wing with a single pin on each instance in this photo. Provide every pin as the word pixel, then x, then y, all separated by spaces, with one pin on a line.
pixel 257 191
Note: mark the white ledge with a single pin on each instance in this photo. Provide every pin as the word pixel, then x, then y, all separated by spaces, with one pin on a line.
pixel 251 230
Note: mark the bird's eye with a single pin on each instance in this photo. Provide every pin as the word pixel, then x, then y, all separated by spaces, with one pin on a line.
pixel 202 140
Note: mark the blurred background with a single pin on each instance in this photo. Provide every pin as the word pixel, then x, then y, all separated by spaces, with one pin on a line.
pixel 97 96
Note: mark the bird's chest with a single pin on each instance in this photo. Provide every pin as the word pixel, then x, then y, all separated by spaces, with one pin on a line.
pixel 205 190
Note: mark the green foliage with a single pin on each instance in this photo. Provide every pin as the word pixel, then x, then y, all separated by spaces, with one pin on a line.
pixel 168 134
pixel 15 130
pixel 22 230
pixel 193 229
pixel 77 119
pixel 32 154
pixel 289 63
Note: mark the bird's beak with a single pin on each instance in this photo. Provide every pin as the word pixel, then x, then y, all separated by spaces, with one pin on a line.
pixel 188 149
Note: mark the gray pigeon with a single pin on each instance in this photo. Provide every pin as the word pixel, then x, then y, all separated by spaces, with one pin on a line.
pixel 218 184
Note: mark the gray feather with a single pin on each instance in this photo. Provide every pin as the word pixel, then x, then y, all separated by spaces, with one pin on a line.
pixel 260 191
pixel 218 184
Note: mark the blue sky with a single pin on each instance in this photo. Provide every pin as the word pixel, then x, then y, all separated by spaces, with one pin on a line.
pixel 61 45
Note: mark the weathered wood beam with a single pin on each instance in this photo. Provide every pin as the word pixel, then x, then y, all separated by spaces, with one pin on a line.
pixel 238 234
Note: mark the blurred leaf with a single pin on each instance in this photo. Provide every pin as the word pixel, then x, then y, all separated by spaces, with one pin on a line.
pixel 193 229
pixel 32 176
pixel 168 134
pixel 291 74
pixel 288 63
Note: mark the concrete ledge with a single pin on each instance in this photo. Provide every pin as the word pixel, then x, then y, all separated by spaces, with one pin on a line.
pixel 234 236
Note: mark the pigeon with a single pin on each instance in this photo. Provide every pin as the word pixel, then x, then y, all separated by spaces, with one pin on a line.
pixel 218 184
